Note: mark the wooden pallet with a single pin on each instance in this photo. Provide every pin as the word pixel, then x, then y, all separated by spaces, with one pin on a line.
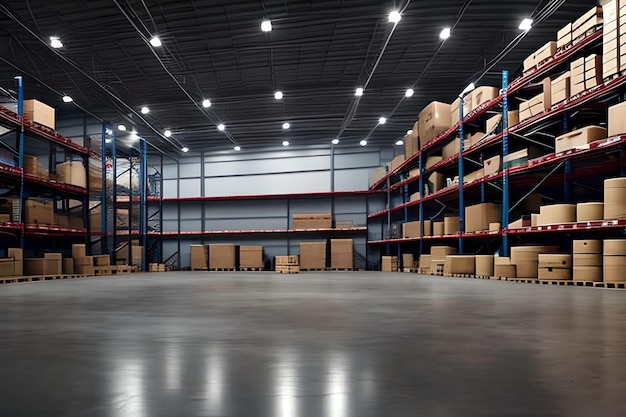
pixel 462 276
pixel 341 269
pixel 292 269
pixel 251 269
pixel 411 270
pixel 101 270
pixel 39 278
pixel 222 269
pixel 199 269
pixel 313 269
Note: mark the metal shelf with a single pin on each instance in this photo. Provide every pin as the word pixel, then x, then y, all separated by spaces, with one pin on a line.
pixel 277 196
pixel 595 226
pixel 265 232
pixel 481 234
pixel 16 173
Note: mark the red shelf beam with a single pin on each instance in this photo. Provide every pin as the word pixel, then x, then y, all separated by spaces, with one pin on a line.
pixel 269 231
pixel 600 225
pixel 277 196
pixel 482 234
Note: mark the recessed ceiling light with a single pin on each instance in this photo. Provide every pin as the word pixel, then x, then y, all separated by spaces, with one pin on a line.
pixel 145 110
pixel 286 126
pixel 399 142
pixel 167 133
pixel 359 92
pixel 395 16
pixel 382 120
pixel 409 132
pixel 363 143
pixel 184 149
pixel 526 25
pixel 55 42
pixel 409 92
pixel 285 143
pixel 67 99
pixel 155 41
pixel 206 103
pixel 221 127
pixel 237 148
pixel 266 25
pixel 278 95
pixel 107 140
pixel 121 127
pixel 335 141
pixel 445 33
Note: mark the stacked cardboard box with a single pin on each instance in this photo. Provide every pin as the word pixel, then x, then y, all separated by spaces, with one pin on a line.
pixel 615 199
pixel 451 225
pixel 156 267
pixel 312 221
pixel 503 267
pixel 611 40
pixel 587 260
pixel 36 111
pixel 564 36
pixel 588 212
pixel 72 172
pixel 251 257
pixel 68 266
pixel 101 260
pixel 538 104
pixel 287 264
pixel 614 260
pixel 432 161
pixel 39 211
pixel 408 262
pixel 484 265
pixel 556 214
pixel 414 229
pixel 593 71
pixel 617 119
pixel 222 256
pixel 424 264
pixel 17 255
pixel 83 264
pixel 434 119
pixel 538 57
pixel 51 264
pixel 579 139
pixel 313 255
pixel 561 88
pixel 587 24
pixel 479 216
pixel 342 254
pixel 389 264
pixel 555 266
pixel 526 259
pixel 459 264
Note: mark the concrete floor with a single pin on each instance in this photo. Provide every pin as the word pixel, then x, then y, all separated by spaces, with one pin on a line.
pixel 314 344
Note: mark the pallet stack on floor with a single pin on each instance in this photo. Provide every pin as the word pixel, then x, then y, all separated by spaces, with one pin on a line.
pixel 287 264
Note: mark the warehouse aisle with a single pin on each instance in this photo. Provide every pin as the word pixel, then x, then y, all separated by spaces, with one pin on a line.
pixel 314 344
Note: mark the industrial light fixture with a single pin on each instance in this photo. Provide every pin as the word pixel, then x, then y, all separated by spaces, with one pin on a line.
pixel 395 16
pixel 67 99
pixel 286 126
pixel 155 41
pixel 278 95
pixel 382 120
pixel 167 133
pixel 121 128
pixel 445 34
pixel 335 141
pixel 359 92
pixel 145 110
pixel 206 103
pixel 237 148
pixel 55 42
pixel 399 142
pixel 409 92
pixel 107 140
pixel 221 127
pixel 266 25
pixel 285 143
pixel 184 149
pixel 471 87
pixel 363 142
pixel 409 132
pixel 526 25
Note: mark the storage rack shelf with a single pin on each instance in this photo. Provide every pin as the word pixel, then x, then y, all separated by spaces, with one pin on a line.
pixel 41 230
pixel 266 232
pixel 594 226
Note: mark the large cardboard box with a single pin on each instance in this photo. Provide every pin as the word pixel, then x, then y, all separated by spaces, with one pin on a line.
pixel 587 273
pixel 586 22
pixel 557 214
pixel 313 255
pixel 579 138
pixel 505 271
pixel 68 266
pixel 451 225
pixel 482 95
pixel 411 229
pixel 564 36
pixel 79 251
pixel 54 262
pixel 39 211
pixel 199 257
pixel 438 229
pixel 222 256
pixel 18 255
pixel 614 267
pixel 551 273
pixel 479 216
pixel 460 264
pixel 42 266
pixel 587 247
pixel 7 267
pixel 587 259
pixel 432 160
pixel 411 145
pixel 312 221
pixel 36 111
pixel 561 88
pixel 435 182
pixel 342 253
pixel 408 260
pixel 587 212
pixel 526 258
pixel 396 162
pixel 440 252
pixel 491 165
pixel 424 264
pixel 389 264
pixel 72 172
pixel 484 265
pixel 434 119
pixel 617 119
pixel 555 260
pixel 251 256
pixel 615 199
pixel 451 148
pixel 614 247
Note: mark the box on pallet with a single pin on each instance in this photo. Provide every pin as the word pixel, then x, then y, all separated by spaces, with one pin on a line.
pixel 7 267
pixel 342 253
pixel 251 256
pixel 587 247
pixel 460 264
pixel 505 271
pixel 68 266
pixel 313 255
pixel 18 256
pixel 222 256
pixel 484 265
pixel 564 36
pixel 424 264
pixel 408 260
pixel 199 257
pixel 526 259
pixel 389 264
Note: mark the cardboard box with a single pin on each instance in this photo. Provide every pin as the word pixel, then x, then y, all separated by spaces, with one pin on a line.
pixel 199 257
pixel 617 120
pixel 555 260
pixel 544 53
pixel 557 214
pixel 491 166
pixel 554 273
pixel 561 88
pixel 288 260
pixel 526 259
pixel 593 71
pixel 411 145
pixel 505 271
pixel 579 138
pixel 479 216
pixel 432 161
pixel 415 197
pixel 614 247
pixel 251 256
pixel 587 247
pixel 389 264
pixel 460 264
pixel 587 259
pixel 38 112
pixel 68 266
pixel 18 255
pixel 54 263
pixel 342 254
pixel 434 119
pixel 313 255
pixel 39 211
pixel 396 162
pixel 411 229
pixel 451 225
pixel 438 229
pixel 482 95
pixel 435 182
pixel 79 251
pixel 614 267
pixel 587 212
pixel 222 256
pixel 451 149
pixel 7 267
pixel 440 252
pixel 42 266
pixel 377 174
pixel 615 199
pixel 303 221
pixel 484 265
pixel 73 173
pixel 408 260
pixel 501 260
pixel 472 176
pixel 101 260
pixel 455 116
pixel 564 36
pixel 494 227
pixel 587 273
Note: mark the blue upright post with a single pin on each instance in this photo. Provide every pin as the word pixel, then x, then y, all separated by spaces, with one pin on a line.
pixel 461 178
pixel 421 205
pixel 567 184
pixel 504 251
pixel 20 111
pixel 143 207
pixel 103 195
pixel 114 195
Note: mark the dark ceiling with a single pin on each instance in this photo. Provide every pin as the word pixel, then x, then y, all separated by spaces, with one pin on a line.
pixel 317 54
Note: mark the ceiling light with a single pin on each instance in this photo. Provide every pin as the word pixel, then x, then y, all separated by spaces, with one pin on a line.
pixel 409 92
pixel 221 127
pixel 206 103
pixel 184 149
pixel 55 42
pixel 285 143
pixel 399 142
pixel 526 25
pixel 359 92
pixel 335 141
pixel 445 34
pixel 107 140
pixel 471 87
pixel 382 120
pixel 237 148
pixel 167 133
pixel 133 135
pixel 155 41
pixel 409 132
pixel 145 110
pixel 363 143
pixel 395 16
pixel 278 95
pixel 266 26
pixel 121 127
pixel 286 126
pixel 67 99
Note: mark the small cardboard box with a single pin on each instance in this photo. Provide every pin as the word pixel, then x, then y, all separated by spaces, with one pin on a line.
pixel 451 225
pixel 38 112
pixel 484 265
pixel 434 119
pixel 579 138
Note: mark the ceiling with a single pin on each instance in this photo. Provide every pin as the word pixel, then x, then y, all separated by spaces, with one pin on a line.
pixel 317 54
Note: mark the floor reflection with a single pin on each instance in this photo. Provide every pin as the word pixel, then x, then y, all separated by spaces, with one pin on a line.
pixel 337 385
pixel 286 383
pixel 215 367
pixel 128 389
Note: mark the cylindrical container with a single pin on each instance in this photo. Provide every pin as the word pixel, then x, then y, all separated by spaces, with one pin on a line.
pixel 588 212
pixel 557 214
pixel 615 199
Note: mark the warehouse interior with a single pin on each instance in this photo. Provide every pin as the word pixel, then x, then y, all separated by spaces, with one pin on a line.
pixel 339 208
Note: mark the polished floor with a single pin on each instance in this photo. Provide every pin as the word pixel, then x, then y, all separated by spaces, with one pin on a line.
pixel 314 344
